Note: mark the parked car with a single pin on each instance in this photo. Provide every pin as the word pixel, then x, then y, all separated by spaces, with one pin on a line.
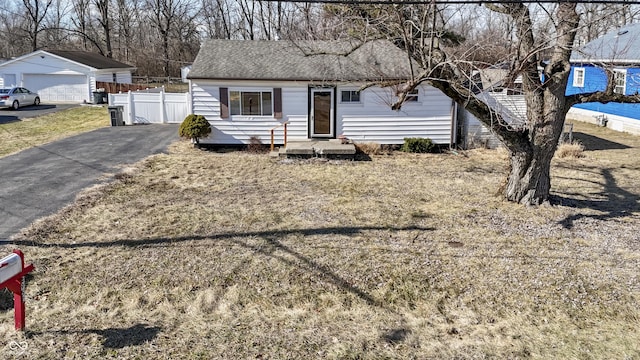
pixel 18 96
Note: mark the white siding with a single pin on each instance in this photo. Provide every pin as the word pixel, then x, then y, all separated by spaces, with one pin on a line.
pixel 122 77
pixel 516 104
pixel 614 122
pixel 104 77
pixel 478 135
pixel 393 130
pixel 239 129
pixel 370 120
pixel 373 120
pixel 206 101
pixel 92 84
pixel 8 80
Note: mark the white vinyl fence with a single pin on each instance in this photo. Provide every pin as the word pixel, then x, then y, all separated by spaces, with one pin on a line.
pixel 146 107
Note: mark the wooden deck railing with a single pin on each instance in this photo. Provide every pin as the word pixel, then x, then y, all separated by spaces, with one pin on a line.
pixel 114 88
pixel 285 134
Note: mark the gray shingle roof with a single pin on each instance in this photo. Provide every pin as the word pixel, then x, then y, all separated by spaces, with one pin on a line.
pixel 621 46
pixel 91 59
pixel 300 60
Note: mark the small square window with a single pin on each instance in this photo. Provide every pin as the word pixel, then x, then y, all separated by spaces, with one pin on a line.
pixel 412 96
pixel 350 96
pixel 578 77
pixel 620 81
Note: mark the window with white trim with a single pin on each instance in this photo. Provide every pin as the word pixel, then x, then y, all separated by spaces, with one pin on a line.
pixel 619 80
pixel 256 103
pixel 412 96
pixel 350 96
pixel 578 77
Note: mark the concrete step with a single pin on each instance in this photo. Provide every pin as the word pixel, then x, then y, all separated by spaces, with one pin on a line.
pixel 324 149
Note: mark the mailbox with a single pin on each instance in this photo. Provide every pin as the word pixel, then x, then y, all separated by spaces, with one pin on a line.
pixel 10 266
pixel 12 272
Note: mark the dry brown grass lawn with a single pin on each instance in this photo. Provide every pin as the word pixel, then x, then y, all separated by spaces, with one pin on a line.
pixel 201 255
pixel 573 150
pixel 20 135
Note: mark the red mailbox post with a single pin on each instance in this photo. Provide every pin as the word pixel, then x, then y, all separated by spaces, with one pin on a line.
pixel 12 272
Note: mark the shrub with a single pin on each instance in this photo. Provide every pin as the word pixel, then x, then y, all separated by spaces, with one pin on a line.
pixel 369 148
pixel 255 145
pixel 194 127
pixel 573 150
pixel 418 145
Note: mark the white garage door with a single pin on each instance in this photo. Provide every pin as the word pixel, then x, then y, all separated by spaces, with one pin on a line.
pixel 58 88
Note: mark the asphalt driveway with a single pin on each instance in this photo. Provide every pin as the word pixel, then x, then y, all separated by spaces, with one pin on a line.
pixel 40 181
pixel 9 115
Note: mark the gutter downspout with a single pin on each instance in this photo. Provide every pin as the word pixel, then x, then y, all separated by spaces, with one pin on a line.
pixel 454 124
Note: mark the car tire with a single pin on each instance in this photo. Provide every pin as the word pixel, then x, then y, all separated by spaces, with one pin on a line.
pixel 15 105
pixel 36 102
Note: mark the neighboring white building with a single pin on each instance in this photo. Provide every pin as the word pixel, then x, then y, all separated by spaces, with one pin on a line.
pixel 184 72
pixel 63 76
pixel 505 99
pixel 246 88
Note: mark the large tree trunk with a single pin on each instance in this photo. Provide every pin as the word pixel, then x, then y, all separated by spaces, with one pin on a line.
pixel 529 179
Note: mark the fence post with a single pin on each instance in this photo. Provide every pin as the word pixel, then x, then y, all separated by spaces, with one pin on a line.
pixel 163 116
pixel 132 111
pixel 189 103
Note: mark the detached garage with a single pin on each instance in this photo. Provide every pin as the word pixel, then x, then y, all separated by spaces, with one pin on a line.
pixel 63 76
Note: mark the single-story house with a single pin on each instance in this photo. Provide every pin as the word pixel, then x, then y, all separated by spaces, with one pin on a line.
pixel 619 51
pixel 63 76
pixel 323 89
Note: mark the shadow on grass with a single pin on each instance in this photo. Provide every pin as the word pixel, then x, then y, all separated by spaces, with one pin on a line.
pixel 6 300
pixel 273 245
pixel 591 142
pixel 115 338
pixel 395 336
pixel 614 201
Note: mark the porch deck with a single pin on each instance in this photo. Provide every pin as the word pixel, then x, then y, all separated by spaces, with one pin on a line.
pixel 331 149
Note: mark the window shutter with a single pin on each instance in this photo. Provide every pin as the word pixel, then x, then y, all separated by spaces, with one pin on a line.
pixel 277 103
pixel 224 102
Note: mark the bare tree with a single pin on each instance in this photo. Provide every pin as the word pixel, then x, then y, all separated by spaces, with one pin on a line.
pixel 55 22
pixel 248 19
pixel 81 20
pixel 216 18
pixel 541 59
pixel 597 19
pixel 35 14
pixel 171 18
pixel 105 23
pixel 128 16
pixel 13 39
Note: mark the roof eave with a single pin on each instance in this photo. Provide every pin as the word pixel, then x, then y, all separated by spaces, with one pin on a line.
pixel 20 58
pixel 605 61
pixel 116 69
pixel 202 77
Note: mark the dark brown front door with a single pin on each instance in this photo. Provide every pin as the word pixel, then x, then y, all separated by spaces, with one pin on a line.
pixel 322 113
